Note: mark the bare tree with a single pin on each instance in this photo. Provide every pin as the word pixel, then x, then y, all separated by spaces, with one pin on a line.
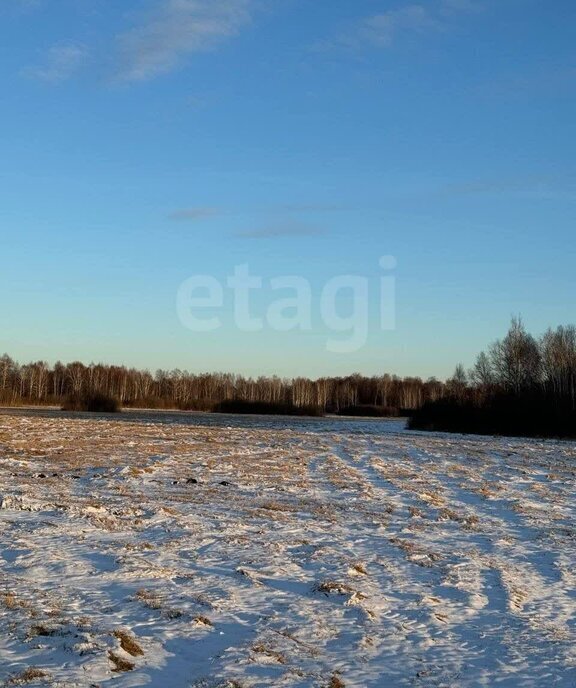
pixel 516 359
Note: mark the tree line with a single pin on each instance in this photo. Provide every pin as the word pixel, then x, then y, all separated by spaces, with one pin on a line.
pixel 522 385
pixel 39 383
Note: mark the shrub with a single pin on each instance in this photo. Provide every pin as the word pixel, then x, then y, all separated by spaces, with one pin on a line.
pixel 196 405
pixel 531 415
pixel 266 408
pixel 370 411
pixel 93 403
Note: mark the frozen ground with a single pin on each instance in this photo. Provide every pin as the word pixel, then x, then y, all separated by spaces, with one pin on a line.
pixel 142 552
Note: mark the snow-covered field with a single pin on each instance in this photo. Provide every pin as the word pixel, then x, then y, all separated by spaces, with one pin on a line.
pixel 154 552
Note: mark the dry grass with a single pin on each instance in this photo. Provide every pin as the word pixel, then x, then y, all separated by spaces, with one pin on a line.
pixel 128 644
pixel 10 601
pixel 276 506
pixel 433 498
pixel 324 512
pixel 264 650
pixel 27 676
pixel 273 510
pixel 405 545
pixel 148 599
pixel 156 602
pixel 42 630
pixel 333 587
pixel 203 621
pixel 488 490
pixel 120 665
pixel 138 546
pixel 416 554
pixel 360 568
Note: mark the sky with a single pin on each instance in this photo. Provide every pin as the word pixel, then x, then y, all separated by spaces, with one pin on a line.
pixel 144 143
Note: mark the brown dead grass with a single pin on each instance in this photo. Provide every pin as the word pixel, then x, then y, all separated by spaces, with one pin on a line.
pixel 333 587
pixel 128 643
pixel 120 665
pixel 203 621
pixel 276 506
pixel 488 490
pixel 360 568
pixel 269 652
pixel 468 521
pixel 433 498
pixel 27 676
pixel 148 598
pixel 10 601
pixel 42 630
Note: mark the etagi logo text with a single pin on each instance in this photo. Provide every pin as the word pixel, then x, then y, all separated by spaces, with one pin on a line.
pixel 293 310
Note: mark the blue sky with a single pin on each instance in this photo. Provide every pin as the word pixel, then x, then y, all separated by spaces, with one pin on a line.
pixel 144 142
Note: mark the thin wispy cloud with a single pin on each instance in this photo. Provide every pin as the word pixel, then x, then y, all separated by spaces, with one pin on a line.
pixel 384 29
pixel 61 62
pixel 179 28
pixel 192 214
pixel 19 5
pixel 471 6
pixel 403 23
pixel 312 208
pixel 281 230
pixel 531 188
pixel 544 81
